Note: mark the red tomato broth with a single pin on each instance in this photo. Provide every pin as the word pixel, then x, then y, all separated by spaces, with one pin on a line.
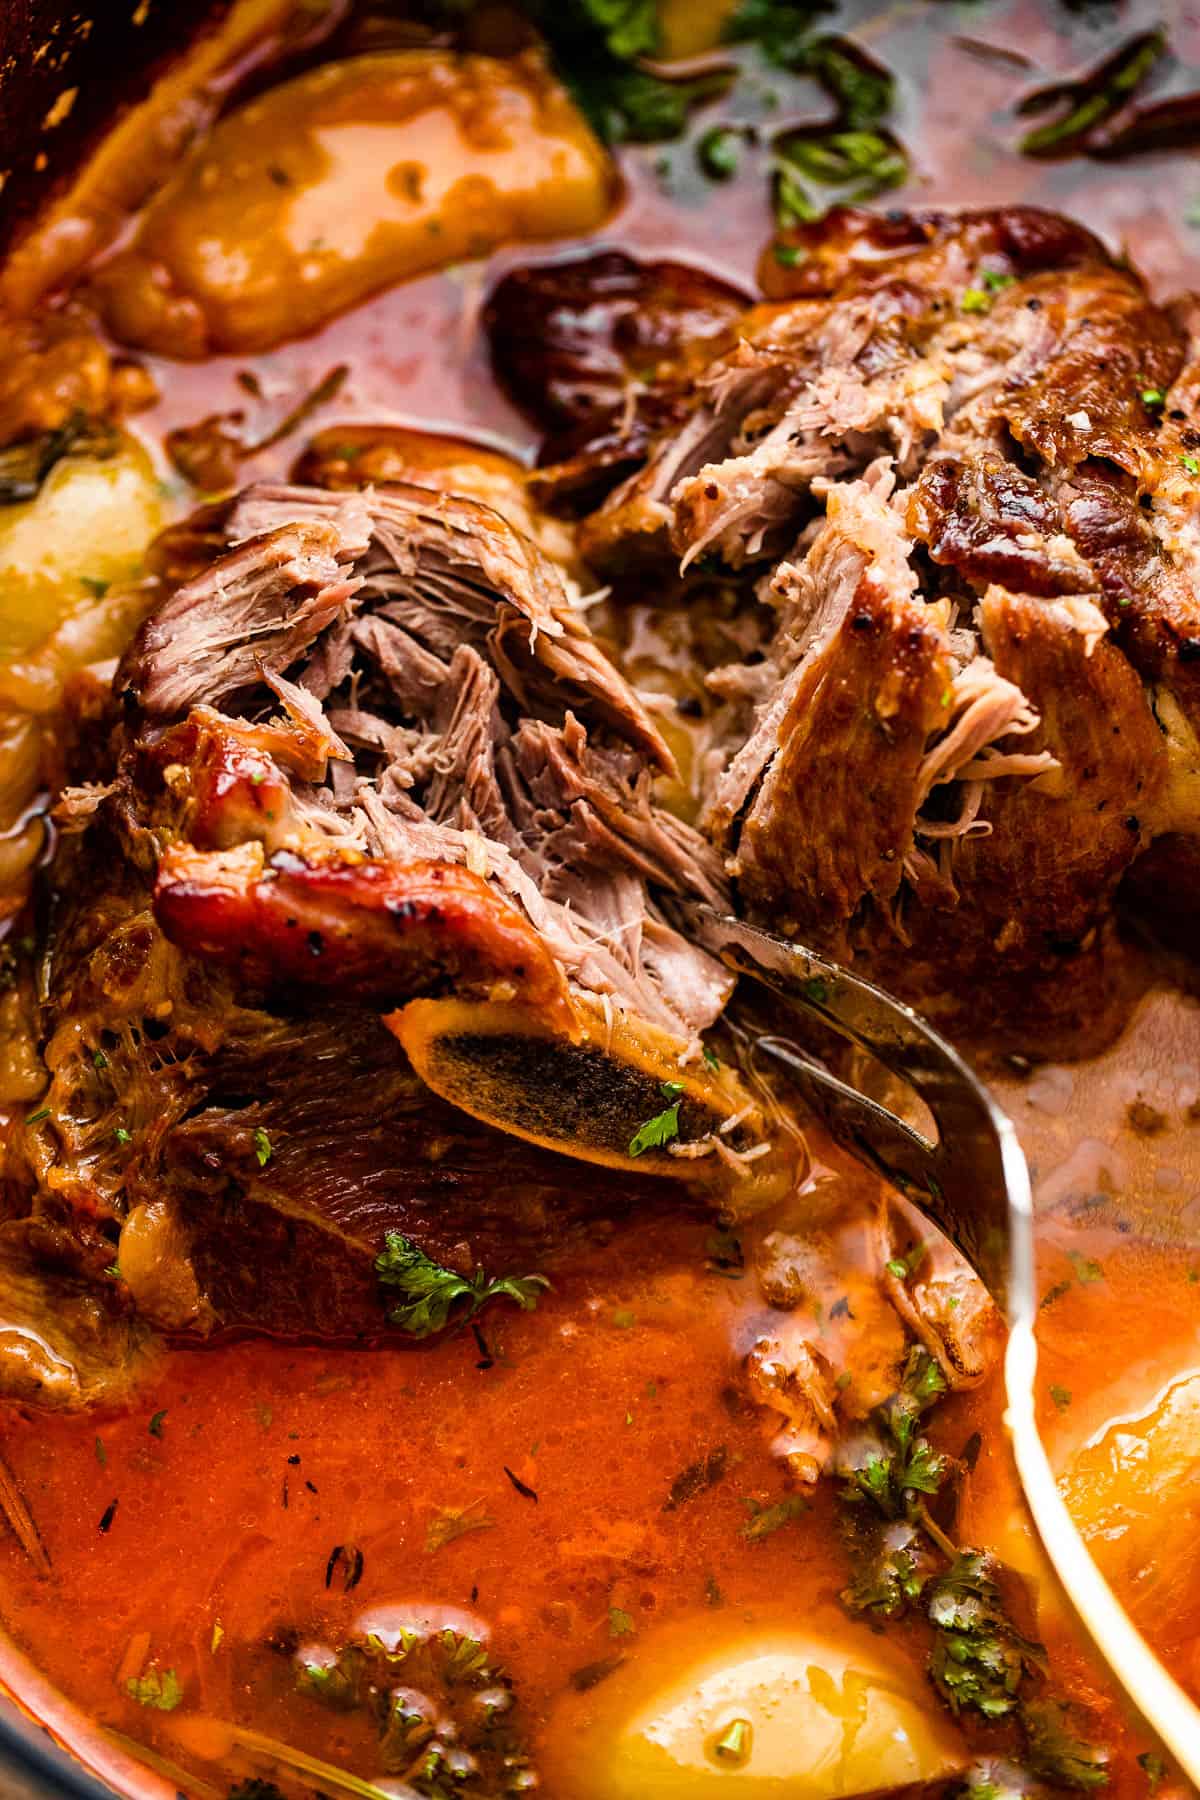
pixel 202 1537
pixel 216 1525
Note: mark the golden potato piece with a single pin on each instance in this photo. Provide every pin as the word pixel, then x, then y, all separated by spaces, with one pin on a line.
pixel 352 177
pixel 84 531
pixel 804 1711
pixel 1134 1492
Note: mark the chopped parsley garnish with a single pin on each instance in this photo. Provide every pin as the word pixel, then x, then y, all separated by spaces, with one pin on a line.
pixel 155 1426
pixel 99 1060
pixel 1153 397
pixel 978 1659
pixel 893 1562
pixel 789 256
pixel 94 586
pixel 1054 1752
pixel 1191 464
pixel 904 1266
pixel 1087 104
pixel 430 1293
pixel 815 172
pixel 705 1473
pixel 455 1522
pixel 262 1147
pixel 121 1135
pixel 35 1118
pixel 620 1623
pixel 160 1689
pixel 995 279
pixel 974 300
pixel 1155 1768
pixel 900 1463
pixel 1061 1396
pixel 717 152
pixel 663 1127
pixel 711 1059
pixel 764 1521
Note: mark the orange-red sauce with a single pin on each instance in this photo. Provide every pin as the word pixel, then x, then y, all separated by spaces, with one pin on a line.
pixel 266 1457
pixel 624 1376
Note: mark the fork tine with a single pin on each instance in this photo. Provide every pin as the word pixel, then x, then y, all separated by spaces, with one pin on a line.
pixel 967 1181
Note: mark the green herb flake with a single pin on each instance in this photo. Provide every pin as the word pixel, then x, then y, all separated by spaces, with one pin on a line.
pixel 1087 1269
pixel 114 1269
pixel 904 1266
pixel 455 1522
pixel 975 300
pixel 1061 1396
pixel 1154 1767
pixel 99 1060
pixel 624 1320
pixel 620 1623
pixel 94 586
pixel 1191 464
pixel 717 153
pixel 160 1689
pixel 431 1293
pixel 995 279
pixel 663 1127
pixel 101 1453
pixel 262 1147
pixel 764 1521
pixel 121 1135
pixel 155 1427
pixel 711 1059
pixel 1054 1753
pixel 1154 398
pixel 789 256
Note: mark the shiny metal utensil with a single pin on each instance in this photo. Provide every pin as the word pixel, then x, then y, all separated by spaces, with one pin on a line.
pixel 973 1183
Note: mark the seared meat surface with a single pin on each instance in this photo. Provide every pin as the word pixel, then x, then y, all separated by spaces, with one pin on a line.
pixel 955 455
pixel 365 753
pixel 368 859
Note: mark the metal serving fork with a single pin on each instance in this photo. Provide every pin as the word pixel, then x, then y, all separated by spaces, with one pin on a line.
pixel 973 1183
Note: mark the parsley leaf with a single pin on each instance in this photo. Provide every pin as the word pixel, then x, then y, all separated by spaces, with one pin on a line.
pixel 663 1127
pixel 430 1293
pixel 455 1522
pixel 262 1147
pixel 1055 1753
pixel 978 1659
pixel 765 1520
pixel 893 1563
pixel 159 1689
pixel 629 27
